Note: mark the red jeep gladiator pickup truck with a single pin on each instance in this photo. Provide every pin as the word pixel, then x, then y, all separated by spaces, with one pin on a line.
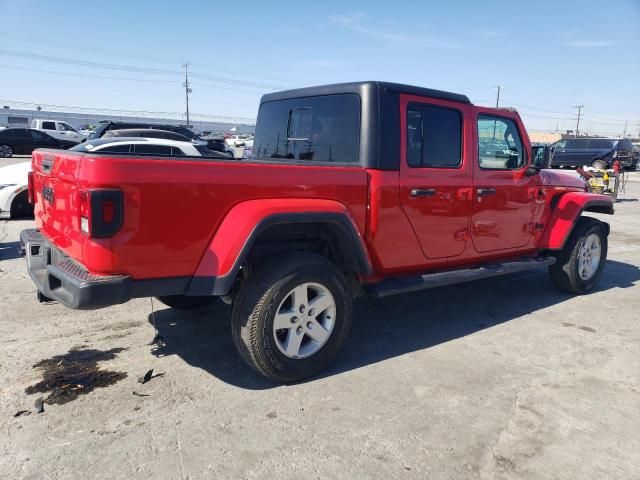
pixel 365 187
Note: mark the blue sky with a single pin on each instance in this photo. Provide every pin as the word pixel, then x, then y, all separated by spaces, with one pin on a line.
pixel 547 55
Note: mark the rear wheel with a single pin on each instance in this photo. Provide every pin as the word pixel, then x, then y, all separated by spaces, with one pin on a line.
pixel 184 302
pixel 579 264
pixel 6 151
pixel 20 206
pixel 292 316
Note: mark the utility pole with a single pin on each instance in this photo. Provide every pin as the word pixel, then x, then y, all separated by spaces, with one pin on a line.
pixel 498 97
pixel 579 107
pixel 187 88
pixel 624 134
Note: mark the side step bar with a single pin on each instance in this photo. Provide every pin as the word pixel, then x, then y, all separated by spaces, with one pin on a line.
pixel 394 286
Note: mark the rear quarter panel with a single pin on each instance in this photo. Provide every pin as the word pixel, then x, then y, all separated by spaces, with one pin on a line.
pixel 173 207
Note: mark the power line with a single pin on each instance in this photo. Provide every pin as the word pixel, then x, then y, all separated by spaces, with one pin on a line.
pixel 131 68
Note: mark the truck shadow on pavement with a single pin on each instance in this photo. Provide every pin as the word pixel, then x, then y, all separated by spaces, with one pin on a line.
pixel 382 328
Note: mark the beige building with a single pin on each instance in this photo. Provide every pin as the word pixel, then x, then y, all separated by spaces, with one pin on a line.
pixel 544 137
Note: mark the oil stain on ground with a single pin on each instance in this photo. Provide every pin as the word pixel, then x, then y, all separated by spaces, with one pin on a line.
pixel 65 377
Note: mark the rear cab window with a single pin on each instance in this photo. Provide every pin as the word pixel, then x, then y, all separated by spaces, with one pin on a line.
pixel 310 129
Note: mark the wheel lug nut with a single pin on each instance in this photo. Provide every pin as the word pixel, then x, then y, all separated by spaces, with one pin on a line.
pixel 309 325
pixel 294 319
pixel 302 308
pixel 311 312
pixel 299 330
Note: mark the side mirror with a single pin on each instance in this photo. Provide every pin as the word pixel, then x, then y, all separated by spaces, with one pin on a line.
pixel 531 171
pixel 541 155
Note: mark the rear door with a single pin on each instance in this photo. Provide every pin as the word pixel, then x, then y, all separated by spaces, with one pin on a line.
pixel 435 173
pixel 503 194
pixel 23 144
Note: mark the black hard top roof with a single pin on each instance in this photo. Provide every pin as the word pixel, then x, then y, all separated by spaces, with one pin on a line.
pixel 361 88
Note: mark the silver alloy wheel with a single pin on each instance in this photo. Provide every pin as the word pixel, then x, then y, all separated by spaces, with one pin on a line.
pixel 5 151
pixel 304 320
pixel 589 256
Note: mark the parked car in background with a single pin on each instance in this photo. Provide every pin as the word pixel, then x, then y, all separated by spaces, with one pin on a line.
pixel 237 140
pixel 147 146
pixel 108 125
pixel 146 133
pixel 595 152
pixel 636 156
pixel 23 141
pixel 58 129
pixel 14 180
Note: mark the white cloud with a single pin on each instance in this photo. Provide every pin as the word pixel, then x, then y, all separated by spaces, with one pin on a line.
pixel 356 23
pixel 490 34
pixel 589 43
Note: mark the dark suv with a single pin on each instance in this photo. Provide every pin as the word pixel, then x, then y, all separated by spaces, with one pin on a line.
pixel 596 152
pixel 107 125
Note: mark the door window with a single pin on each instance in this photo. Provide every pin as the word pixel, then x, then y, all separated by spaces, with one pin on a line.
pixel 142 149
pixel 65 127
pixel 121 148
pixel 434 137
pixel 499 144
pixel 36 135
pixel 48 125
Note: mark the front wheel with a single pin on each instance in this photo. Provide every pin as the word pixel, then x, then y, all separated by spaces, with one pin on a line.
pixel 6 151
pixel 579 264
pixel 292 316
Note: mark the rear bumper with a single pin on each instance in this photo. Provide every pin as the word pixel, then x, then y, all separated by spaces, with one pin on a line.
pixel 62 279
pixel 66 281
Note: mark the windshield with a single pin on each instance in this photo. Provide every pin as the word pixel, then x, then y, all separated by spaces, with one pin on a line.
pixel 97 133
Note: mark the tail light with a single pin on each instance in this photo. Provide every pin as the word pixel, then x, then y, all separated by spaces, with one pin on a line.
pixel 100 212
pixel 30 193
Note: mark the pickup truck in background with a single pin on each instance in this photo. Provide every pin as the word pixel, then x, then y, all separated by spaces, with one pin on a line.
pixel 359 188
pixel 58 129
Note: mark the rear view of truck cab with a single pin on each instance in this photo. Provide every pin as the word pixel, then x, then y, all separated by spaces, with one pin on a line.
pixel 360 188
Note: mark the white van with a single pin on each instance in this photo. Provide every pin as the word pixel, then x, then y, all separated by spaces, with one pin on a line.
pixel 58 129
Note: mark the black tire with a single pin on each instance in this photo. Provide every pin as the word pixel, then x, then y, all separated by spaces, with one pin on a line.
pixel 6 151
pixel 599 163
pixel 564 273
pixel 184 302
pixel 20 206
pixel 258 299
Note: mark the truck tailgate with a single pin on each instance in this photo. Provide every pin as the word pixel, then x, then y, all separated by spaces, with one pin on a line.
pixel 55 186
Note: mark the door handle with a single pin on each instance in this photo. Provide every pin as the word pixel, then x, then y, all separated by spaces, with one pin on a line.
pixel 423 192
pixel 483 192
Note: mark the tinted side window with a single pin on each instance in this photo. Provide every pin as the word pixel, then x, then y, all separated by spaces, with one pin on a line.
pixel 321 129
pixel 142 149
pixel 122 148
pixel 177 152
pixel 434 136
pixel 36 135
pixel 601 144
pixel 48 125
pixel 576 144
pixel 499 144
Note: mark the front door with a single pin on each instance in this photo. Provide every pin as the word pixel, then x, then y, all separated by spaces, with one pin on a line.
pixel 435 174
pixel 503 194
